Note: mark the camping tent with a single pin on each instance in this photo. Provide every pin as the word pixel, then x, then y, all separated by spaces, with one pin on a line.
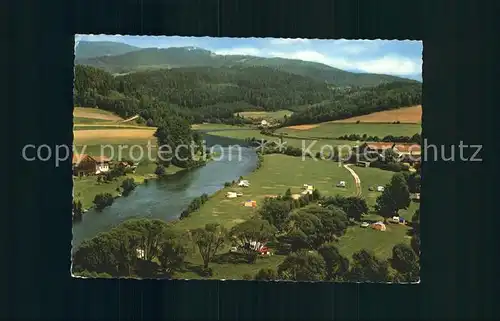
pixel 380 188
pixel 379 226
pixel 244 184
pixel 250 203
pixel 231 195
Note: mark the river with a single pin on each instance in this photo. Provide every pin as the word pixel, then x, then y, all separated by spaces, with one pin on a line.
pixel 166 198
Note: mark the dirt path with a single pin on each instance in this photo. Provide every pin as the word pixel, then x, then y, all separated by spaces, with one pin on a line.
pixel 129 119
pixel 356 179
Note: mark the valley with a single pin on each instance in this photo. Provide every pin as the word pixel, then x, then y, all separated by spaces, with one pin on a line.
pixel 275 158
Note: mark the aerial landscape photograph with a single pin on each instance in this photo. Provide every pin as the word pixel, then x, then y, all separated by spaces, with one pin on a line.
pixel 260 159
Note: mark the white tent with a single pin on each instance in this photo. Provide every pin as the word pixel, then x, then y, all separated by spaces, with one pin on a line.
pixel 244 183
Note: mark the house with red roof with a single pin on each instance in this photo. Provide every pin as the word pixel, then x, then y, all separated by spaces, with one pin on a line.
pixel 407 152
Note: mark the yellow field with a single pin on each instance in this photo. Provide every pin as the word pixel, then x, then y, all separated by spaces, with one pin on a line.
pixel 280 114
pixel 113 136
pixel 105 125
pixel 303 127
pixel 406 115
pixel 95 113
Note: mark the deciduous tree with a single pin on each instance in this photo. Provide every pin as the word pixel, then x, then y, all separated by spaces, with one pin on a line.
pixel 253 230
pixel 303 266
pixel 366 267
pixel 337 266
pixel 275 212
pixel 209 240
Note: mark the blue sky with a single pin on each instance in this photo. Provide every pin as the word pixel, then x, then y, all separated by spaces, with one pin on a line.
pixel 394 57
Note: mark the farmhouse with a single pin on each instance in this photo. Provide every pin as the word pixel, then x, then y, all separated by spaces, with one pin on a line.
pixel 409 153
pixel 84 164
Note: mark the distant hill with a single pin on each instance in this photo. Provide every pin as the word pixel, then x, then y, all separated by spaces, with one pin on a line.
pixel 209 94
pixel 154 58
pixel 92 49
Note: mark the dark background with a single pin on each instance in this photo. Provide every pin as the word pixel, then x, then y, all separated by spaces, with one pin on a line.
pixel 459 212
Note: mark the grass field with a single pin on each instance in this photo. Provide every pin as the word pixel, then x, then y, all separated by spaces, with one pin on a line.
pixel 277 115
pixel 380 243
pixel 277 174
pixel 409 115
pixel 334 130
pixel 90 121
pixel 214 126
pixel 290 141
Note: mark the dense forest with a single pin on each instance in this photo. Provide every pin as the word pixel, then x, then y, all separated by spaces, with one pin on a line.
pixel 360 101
pixel 206 94
pixel 120 58
pixel 197 94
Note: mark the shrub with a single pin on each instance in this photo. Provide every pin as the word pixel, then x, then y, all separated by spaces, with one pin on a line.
pixel 194 205
pixel 103 200
pixel 128 186
pixel 160 170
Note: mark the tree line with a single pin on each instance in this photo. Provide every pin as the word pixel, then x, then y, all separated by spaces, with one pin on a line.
pixel 416 139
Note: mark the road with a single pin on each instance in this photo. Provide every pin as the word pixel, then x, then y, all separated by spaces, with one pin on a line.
pixel 356 179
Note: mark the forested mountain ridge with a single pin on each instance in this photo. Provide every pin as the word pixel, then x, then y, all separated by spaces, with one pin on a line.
pixel 199 94
pixel 208 94
pixel 91 49
pixel 181 57
pixel 360 101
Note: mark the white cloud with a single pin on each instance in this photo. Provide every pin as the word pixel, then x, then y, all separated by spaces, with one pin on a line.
pixel 239 51
pixel 395 65
pixel 307 55
pixel 391 64
pixel 287 41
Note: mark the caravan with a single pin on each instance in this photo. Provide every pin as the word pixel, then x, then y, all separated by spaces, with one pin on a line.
pixel 341 184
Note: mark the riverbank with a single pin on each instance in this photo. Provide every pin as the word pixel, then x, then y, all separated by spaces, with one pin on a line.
pixel 165 199
pixel 86 188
